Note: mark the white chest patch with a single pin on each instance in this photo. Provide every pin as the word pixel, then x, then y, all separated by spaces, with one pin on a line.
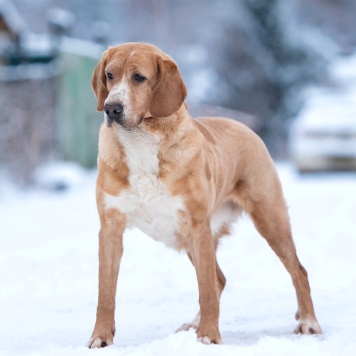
pixel 147 204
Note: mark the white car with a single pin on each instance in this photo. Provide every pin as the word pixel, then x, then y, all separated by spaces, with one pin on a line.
pixel 323 137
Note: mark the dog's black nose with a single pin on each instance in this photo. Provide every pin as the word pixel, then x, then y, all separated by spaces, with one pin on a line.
pixel 113 111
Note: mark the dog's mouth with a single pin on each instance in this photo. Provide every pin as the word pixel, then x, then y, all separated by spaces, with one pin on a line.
pixel 128 125
pixel 109 122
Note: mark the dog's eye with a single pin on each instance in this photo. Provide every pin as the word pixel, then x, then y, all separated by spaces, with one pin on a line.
pixel 110 75
pixel 138 77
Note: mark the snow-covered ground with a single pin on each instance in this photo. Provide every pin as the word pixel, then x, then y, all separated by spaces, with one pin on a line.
pixel 48 277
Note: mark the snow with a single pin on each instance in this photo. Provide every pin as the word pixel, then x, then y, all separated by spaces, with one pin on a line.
pixel 332 108
pixel 48 276
pixel 327 111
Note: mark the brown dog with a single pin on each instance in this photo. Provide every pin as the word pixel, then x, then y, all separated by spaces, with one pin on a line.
pixel 182 182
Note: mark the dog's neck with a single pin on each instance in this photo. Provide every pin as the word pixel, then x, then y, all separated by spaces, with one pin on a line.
pixel 166 134
pixel 166 126
pixel 166 131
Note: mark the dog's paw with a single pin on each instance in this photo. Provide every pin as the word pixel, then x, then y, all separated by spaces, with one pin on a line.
pixel 209 336
pixel 207 341
pixel 307 327
pixel 193 325
pixel 98 342
pixel 101 338
pixel 187 326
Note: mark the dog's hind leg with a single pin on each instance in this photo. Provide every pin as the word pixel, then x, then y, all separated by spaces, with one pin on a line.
pixel 270 216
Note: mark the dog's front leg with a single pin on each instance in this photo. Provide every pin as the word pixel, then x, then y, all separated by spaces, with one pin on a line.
pixel 110 253
pixel 202 251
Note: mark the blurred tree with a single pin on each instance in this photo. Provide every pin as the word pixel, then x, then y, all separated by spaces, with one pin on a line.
pixel 335 18
pixel 263 61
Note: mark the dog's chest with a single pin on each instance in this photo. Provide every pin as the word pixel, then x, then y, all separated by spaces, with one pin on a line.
pixel 147 204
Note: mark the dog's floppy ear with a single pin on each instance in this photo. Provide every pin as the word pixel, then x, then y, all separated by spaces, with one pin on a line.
pixel 98 82
pixel 170 91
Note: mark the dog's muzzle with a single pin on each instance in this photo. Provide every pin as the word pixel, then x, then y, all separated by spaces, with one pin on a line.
pixel 114 112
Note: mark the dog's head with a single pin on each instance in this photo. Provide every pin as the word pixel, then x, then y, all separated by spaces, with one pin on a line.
pixel 136 80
